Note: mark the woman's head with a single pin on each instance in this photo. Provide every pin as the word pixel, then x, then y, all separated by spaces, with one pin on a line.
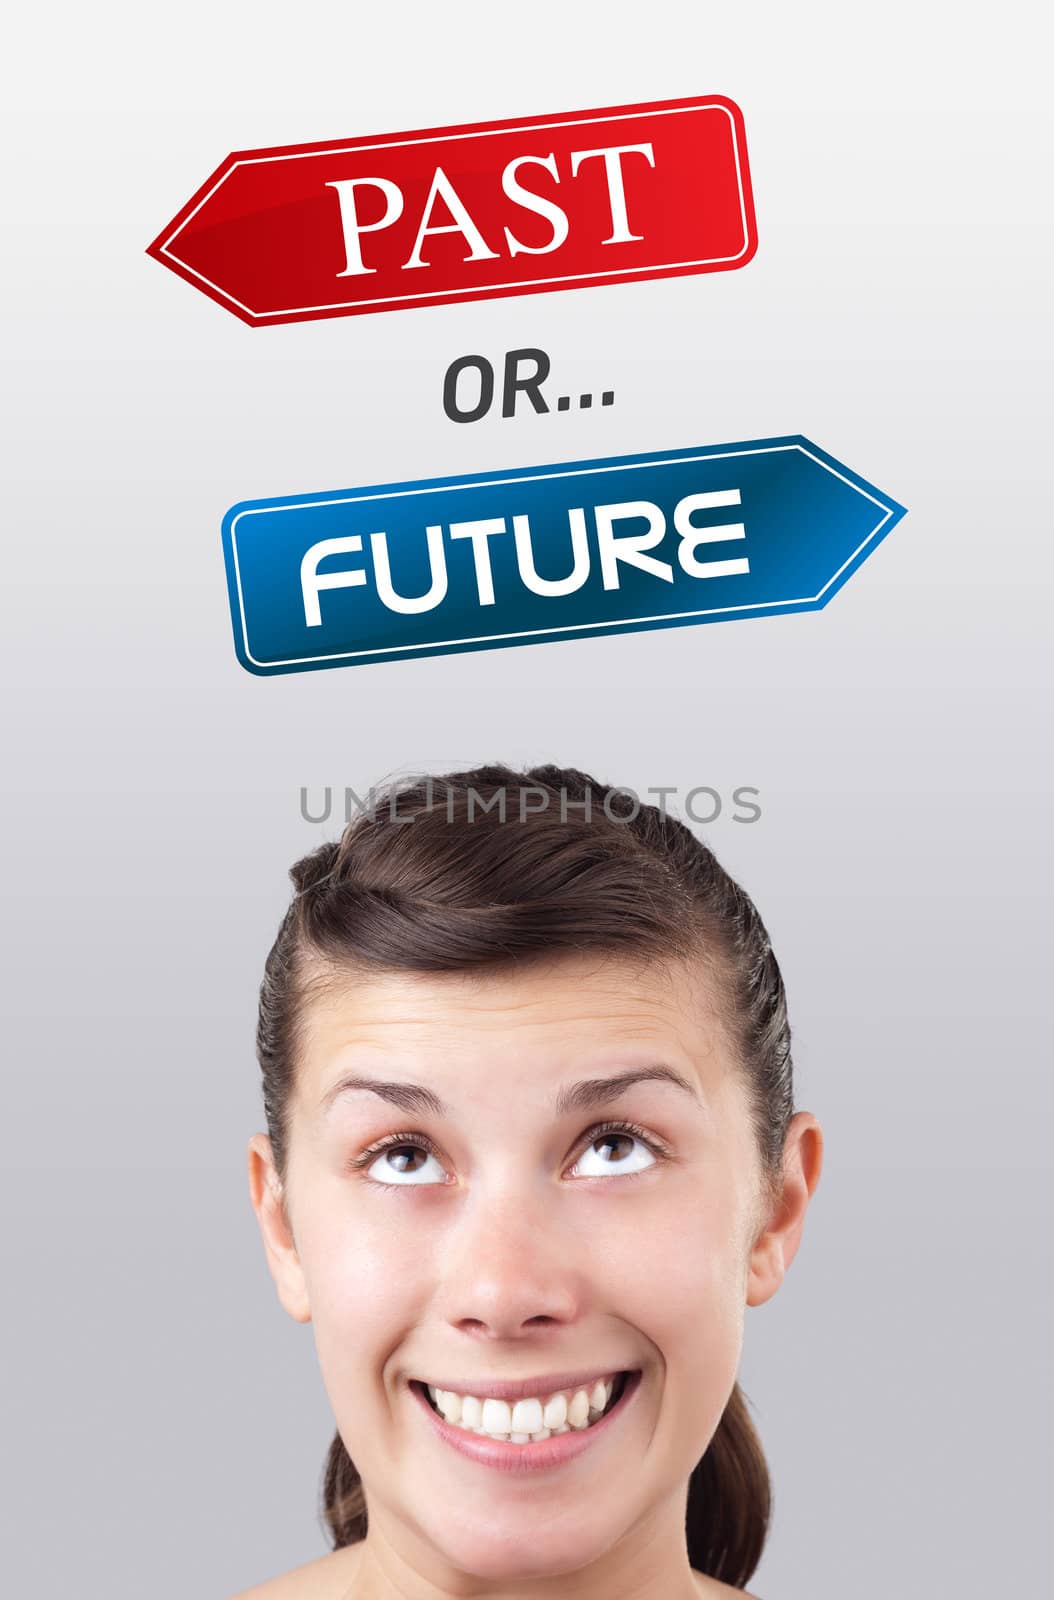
pixel 495 947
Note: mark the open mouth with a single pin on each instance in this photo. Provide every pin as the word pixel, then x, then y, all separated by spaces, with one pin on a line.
pixel 617 1391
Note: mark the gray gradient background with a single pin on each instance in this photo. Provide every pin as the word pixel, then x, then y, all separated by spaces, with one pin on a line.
pixel 164 1424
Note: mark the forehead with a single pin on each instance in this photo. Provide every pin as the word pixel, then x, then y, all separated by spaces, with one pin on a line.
pixel 538 1024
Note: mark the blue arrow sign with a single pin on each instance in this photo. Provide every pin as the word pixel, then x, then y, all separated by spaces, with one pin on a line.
pixel 576 550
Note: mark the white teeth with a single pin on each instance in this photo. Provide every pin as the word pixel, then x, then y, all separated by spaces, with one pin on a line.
pixel 527 1417
pixel 497 1416
pixel 527 1420
pixel 578 1410
pixel 556 1412
pixel 449 1404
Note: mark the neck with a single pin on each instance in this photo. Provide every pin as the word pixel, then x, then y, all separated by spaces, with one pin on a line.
pixel 377 1570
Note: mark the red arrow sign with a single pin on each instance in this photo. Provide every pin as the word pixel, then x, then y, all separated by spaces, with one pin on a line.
pixel 469 212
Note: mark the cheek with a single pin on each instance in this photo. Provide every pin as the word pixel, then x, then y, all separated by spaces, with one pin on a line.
pixel 665 1266
pixel 692 1301
pixel 362 1275
pixel 355 1256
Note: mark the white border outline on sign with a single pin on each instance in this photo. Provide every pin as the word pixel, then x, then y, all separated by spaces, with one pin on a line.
pixel 634 274
pixel 573 627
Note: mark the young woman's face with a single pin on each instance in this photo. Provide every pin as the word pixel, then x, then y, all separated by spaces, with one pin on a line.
pixel 505 1239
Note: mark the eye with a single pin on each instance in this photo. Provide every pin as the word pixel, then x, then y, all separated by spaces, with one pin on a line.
pixel 614 1134
pixel 399 1161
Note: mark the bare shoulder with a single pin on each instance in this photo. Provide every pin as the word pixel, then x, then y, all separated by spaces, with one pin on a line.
pixel 332 1577
pixel 714 1589
pixel 328 1578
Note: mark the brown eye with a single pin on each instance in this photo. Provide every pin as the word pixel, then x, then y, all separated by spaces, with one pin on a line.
pixel 396 1162
pixel 607 1140
pixel 614 1155
pixel 399 1161
pixel 396 1157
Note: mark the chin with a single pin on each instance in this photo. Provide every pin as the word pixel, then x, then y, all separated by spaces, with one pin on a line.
pixel 523 1545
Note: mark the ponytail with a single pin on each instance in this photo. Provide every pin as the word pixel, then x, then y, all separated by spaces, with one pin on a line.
pixel 730 1499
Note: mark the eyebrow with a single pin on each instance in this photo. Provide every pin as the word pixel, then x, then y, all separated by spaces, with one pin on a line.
pixel 581 1096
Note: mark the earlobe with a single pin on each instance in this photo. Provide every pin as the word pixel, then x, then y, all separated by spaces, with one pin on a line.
pixel 776 1246
pixel 268 1202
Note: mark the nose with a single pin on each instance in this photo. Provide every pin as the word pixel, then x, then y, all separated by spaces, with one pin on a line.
pixel 512 1267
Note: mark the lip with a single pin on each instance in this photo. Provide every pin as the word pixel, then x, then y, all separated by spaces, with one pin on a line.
pixel 529 1387
pixel 525 1458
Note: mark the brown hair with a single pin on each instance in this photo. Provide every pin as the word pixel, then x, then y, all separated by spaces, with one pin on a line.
pixel 474 869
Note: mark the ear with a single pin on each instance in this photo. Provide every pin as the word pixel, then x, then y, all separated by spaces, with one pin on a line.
pixel 265 1191
pixel 776 1246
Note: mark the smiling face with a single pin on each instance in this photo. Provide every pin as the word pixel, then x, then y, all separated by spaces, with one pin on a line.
pixel 503 1236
